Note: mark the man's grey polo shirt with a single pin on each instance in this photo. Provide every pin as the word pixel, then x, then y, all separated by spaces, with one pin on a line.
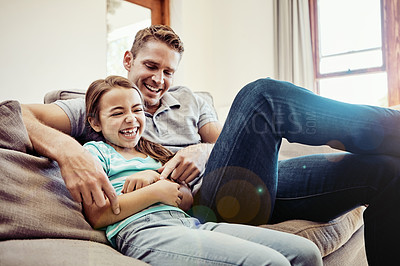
pixel 175 124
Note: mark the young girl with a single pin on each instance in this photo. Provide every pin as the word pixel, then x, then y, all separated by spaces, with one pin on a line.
pixel 152 225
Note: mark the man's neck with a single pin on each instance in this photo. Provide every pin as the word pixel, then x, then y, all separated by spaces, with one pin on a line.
pixel 153 108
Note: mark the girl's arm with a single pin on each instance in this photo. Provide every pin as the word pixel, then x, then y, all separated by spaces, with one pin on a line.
pixel 164 191
pixel 144 178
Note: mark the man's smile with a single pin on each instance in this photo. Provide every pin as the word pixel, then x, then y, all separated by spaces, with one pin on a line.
pixel 151 88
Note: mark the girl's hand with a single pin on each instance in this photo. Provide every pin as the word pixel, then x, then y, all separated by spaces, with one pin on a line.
pixel 140 180
pixel 187 198
pixel 168 192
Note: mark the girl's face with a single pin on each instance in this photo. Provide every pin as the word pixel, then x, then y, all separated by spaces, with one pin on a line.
pixel 121 118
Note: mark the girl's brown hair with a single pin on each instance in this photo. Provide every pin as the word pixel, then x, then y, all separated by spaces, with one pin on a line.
pixel 92 100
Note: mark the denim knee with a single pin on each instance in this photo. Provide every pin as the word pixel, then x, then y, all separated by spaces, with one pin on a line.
pixel 254 90
pixel 264 89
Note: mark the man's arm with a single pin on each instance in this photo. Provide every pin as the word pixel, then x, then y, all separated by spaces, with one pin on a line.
pixel 189 162
pixel 210 132
pixel 50 115
pixel 83 175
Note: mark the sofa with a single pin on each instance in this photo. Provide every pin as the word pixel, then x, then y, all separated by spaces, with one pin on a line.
pixel 42 225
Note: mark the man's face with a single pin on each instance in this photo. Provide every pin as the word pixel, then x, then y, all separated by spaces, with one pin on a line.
pixel 152 71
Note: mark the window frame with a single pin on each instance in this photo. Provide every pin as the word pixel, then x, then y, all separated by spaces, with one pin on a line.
pixel 390 17
pixel 159 10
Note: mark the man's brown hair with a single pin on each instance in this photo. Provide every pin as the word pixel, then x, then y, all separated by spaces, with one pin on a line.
pixel 160 33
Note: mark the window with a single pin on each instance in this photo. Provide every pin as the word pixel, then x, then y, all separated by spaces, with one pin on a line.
pixel 124 19
pixel 159 10
pixel 354 48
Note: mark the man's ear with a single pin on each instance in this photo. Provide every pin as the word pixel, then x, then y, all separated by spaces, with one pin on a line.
pixel 94 123
pixel 128 59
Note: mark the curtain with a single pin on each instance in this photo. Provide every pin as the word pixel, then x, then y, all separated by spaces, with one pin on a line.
pixel 293 50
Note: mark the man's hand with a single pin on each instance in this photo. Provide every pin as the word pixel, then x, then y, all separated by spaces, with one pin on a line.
pixel 85 179
pixel 187 164
pixel 82 174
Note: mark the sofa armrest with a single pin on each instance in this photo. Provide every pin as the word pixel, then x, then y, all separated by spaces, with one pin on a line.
pixel 328 236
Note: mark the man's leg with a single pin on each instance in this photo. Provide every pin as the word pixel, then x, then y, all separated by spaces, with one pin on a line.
pixel 240 181
pixel 322 187
pixel 241 174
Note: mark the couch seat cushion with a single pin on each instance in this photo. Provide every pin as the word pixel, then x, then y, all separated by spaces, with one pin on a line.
pixel 328 236
pixel 61 252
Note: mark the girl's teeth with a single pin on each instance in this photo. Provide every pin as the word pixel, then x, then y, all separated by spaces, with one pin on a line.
pixel 128 132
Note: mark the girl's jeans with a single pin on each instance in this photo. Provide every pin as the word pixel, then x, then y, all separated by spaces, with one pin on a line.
pixel 170 238
pixel 245 183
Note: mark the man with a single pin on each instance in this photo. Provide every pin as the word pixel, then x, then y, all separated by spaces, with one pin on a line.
pixel 151 64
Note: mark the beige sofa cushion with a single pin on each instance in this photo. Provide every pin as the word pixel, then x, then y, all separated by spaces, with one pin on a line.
pixel 327 236
pixel 290 150
pixel 352 253
pixel 34 202
pixel 49 252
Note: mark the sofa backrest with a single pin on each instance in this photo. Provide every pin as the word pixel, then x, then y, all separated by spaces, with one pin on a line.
pixel 287 151
pixel 55 95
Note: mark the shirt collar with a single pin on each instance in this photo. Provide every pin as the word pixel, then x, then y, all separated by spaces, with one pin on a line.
pixel 167 102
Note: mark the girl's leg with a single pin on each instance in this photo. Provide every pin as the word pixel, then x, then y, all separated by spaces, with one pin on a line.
pixel 296 249
pixel 240 181
pixel 167 238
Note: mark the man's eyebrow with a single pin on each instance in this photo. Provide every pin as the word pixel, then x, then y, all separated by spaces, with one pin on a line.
pixel 149 61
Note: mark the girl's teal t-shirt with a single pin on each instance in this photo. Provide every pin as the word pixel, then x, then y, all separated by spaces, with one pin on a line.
pixel 117 169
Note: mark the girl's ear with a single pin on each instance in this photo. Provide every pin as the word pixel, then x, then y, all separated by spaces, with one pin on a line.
pixel 94 123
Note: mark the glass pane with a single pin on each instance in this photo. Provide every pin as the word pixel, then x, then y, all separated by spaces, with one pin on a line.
pixel 353 61
pixel 360 89
pixel 348 25
pixel 124 20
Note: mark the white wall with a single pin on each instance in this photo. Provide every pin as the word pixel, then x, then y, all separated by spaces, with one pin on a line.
pixel 54 44
pixel 228 43
pixel 50 44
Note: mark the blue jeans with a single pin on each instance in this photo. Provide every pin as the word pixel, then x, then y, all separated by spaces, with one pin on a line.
pixel 170 238
pixel 245 183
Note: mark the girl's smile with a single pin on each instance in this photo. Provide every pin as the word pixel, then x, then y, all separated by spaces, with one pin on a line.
pixel 121 118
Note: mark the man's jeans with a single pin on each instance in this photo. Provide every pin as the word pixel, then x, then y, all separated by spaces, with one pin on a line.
pixel 245 183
